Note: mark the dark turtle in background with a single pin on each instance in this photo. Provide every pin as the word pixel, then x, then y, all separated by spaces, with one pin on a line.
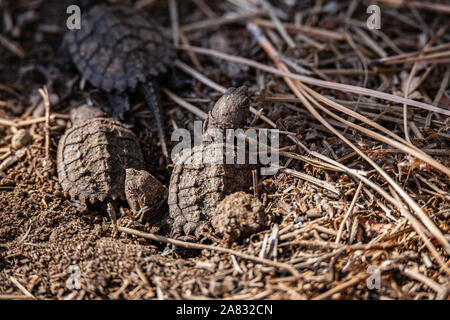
pixel 120 49
pixel 197 187
pixel 96 158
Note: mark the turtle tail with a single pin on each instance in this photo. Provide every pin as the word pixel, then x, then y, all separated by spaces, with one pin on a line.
pixel 151 93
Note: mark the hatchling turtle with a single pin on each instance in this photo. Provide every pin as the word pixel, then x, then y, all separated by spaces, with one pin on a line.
pixel 119 49
pixel 95 159
pixel 196 187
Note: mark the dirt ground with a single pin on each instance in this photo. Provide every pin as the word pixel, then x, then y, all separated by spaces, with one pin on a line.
pixel 45 241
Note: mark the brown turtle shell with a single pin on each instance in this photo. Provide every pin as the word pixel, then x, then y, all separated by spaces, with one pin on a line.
pixel 118 47
pixel 196 189
pixel 92 158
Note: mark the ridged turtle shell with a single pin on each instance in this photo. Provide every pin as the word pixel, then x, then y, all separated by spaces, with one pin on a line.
pixel 118 47
pixel 92 158
pixel 198 184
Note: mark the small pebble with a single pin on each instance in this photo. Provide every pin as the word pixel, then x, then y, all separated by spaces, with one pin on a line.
pixel 20 138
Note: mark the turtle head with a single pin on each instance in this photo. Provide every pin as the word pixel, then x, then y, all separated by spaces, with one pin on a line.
pixel 231 110
pixel 84 113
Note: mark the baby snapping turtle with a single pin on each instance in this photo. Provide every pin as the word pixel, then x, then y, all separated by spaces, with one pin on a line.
pixel 119 49
pixel 93 157
pixel 200 179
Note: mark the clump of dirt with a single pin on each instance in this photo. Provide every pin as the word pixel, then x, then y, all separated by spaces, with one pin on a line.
pixel 239 215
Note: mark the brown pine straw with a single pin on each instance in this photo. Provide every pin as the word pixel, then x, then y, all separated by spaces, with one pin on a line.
pixel 199 246
pixel 46 98
pixel 332 164
pixel 426 5
pixel 336 165
pixel 299 90
pixel 350 283
pixel 404 57
pixel 395 202
pixel 348 213
pixel 404 145
pixel 303 29
pixel 314 81
pixel 407 92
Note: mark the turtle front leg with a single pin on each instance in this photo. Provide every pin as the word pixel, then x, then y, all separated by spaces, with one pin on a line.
pixel 151 93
